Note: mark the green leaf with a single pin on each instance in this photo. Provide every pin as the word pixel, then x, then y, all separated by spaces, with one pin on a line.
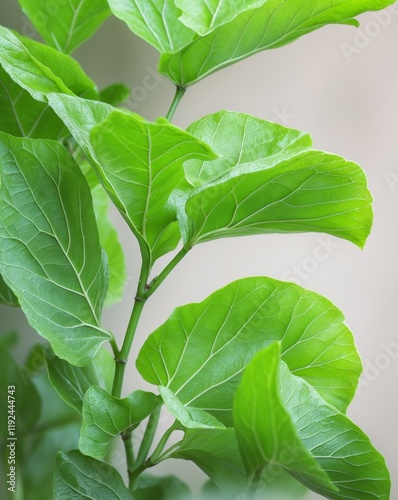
pixel 272 25
pixel 240 139
pixel 115 94
pixel 7 296
pixel 162 488
pixel 72 382
pixel 156 22
pixel 269 181
pixel 264 427
pixel 203 16
pixel 190 418
pixel 66 24
pixel 143 163
pixel 280 418
pixel 78 477
pixel 216 452
pixel 105 416
pixel 27 71
pixel 67 69
pixel 199 353
pixel 22 116
pixel 48 231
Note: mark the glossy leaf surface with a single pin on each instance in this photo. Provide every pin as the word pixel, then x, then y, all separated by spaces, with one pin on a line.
pixel 48 231
pixel 66 24
pixel 271 183
pixel 201 350
pixel 272 25
pixel 105 416
pixel 280 413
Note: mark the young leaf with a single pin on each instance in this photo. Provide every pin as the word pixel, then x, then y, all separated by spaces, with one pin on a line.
pixel 190 418
pixel 7 296
pixel 143 163
pixel 199 353
pixel 162 488
pixel 264 426
pixel 48 231
pixel 271 25
pixel 71 382
pixel 78 477
pixel 277 415
pixel 66 24
pixel 157 22
pixel 105 416
pixel 216 452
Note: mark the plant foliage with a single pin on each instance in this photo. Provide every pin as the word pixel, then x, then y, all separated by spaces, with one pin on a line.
pixel 257 376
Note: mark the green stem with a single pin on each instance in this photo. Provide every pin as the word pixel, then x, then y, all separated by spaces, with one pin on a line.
pixel 176 101
pixel 122 357
pixel 156 282
pixel 162 443
pixel 128 446
pixel 148 438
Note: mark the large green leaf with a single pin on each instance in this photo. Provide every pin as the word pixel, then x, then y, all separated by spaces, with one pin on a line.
pixel 216 452
pixel 280 418
pixel 190 418
pixel 115 94
pixel 49 248
pixel 267 180
pixel 264 426
pixel 66 24
pixel 72 382
pixel 155 21
pixel 105 416
pixel 201 350
pixel 197 38
pixel 143 163
pixel 272 25
pixel 78 477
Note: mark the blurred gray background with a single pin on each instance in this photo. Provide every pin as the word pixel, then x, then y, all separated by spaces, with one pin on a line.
pixel 338 83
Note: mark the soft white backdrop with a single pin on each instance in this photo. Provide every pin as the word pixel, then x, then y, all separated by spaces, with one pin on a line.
pixel 340 84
